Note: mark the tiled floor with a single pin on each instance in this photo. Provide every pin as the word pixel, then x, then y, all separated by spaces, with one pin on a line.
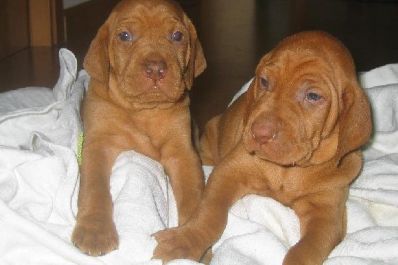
pixel 234 34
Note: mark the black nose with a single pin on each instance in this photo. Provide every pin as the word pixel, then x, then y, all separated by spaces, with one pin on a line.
pixel 155 69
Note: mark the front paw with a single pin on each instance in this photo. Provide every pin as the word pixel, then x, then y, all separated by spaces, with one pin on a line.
pixel 178 243
pixel 95 236
pixel 303 254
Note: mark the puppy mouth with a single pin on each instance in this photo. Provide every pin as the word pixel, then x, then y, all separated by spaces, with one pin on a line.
pixel 145 89
pixel 167 92
pixel 275 153
pixel 278 148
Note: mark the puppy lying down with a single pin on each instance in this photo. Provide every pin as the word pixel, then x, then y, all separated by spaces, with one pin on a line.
pixel 293 136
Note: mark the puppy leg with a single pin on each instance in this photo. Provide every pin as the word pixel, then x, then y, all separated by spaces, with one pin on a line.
pixel 207 257
pixel 323 223
pixel 225 186
pixel 94 232
pixel 186 176
pixel 208 142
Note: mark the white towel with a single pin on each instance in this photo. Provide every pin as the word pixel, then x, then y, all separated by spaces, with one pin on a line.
pixel 39 178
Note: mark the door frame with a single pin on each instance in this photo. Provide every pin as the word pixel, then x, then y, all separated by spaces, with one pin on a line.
pixel 46 22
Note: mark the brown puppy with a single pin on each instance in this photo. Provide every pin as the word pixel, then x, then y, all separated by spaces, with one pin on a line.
pixel 293 136
pixel 142 62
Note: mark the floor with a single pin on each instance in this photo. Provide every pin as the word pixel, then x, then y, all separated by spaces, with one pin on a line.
pixel 234 34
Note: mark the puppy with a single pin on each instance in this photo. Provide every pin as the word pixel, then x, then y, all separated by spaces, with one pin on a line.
pixel 141 63
pixel 295 136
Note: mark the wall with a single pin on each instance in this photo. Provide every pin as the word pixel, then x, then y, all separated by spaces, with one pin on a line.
pixel 14 24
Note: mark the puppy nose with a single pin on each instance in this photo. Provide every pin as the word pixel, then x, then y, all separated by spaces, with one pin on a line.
pixel 155 69
pixel 264 131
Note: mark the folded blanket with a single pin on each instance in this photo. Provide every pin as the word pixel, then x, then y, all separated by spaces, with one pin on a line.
pixel 39 183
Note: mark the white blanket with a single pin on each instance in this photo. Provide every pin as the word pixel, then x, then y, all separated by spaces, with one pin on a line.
pixel 39 180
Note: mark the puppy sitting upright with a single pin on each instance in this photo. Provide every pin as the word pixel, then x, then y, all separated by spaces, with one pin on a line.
pixel 295 136
pixel 142 62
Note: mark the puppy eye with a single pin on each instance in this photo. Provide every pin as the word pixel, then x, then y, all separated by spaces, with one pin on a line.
pixel 313 97
pixel 264 83
pixel 177 36
pixel 125 36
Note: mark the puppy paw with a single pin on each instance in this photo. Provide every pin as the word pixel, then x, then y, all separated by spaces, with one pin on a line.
pixel 177 243
pixel 95 236
pixel 301 254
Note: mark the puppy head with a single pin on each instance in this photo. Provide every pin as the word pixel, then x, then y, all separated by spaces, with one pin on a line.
pixel 305 104
pixel 146 53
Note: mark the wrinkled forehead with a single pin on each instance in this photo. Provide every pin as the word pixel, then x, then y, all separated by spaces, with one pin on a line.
pixel 290 62
pixel 147 11
pixel 311 51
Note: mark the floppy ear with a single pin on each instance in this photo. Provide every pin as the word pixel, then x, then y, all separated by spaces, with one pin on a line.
pixel 355 122
pixel 196 62
pixel 96 61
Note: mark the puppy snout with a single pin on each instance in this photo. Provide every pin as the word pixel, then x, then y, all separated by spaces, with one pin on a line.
pixel 264 131
pixel 155 69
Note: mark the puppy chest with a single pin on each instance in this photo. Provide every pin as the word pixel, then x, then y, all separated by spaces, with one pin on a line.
pixel 282 187
pixel 159 127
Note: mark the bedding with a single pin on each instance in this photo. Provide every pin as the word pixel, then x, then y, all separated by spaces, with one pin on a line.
pixel 39 181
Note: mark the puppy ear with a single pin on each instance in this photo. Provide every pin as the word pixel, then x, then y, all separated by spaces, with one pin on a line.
pixel 96 61
pixel 196 62
pixel 200 60
pixel 355 122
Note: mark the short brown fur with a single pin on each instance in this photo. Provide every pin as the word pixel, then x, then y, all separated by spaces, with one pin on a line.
pixel 295 136
pixel 137 100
